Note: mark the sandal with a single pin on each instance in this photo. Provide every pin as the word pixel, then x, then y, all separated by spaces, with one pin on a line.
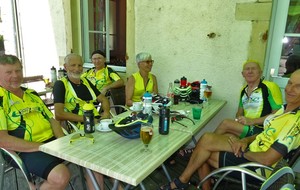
pixel 185 153
pixel 179 185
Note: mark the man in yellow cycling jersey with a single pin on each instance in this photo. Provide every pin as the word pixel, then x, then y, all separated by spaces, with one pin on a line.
pixel 26 123
pixel 102 76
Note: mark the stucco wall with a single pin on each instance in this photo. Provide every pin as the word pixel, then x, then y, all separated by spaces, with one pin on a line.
pixel 175 33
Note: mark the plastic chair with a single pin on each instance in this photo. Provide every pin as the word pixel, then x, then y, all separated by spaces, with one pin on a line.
pixel 288 162
pixel 5 167
pixel 117 96
pixel 46 97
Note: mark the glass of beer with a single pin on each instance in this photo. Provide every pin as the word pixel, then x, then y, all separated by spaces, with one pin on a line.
pixel 207 93
pixel 146 134
pixel 46 81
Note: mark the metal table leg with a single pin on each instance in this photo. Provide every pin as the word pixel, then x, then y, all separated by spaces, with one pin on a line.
pixel 194 140
pixel 94 181
pixel 116 184
pixel 142 186
pixel 166 172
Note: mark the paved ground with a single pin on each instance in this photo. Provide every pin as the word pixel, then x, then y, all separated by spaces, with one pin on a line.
pixel 152 182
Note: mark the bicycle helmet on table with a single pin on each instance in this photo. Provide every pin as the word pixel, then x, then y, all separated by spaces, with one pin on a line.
pixel 130 126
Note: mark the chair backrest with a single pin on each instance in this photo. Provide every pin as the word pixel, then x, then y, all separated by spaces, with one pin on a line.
pixel 33 79
pixel 282 177
pixel 117 96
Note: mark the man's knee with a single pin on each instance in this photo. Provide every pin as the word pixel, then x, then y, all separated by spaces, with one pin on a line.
pixel 226 123
pixel 59 175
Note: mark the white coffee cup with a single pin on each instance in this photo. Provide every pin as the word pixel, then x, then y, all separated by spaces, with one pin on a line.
pixel 137 106
pixel 104 124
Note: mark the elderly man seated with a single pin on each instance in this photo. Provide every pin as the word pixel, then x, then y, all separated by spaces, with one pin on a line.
pixel 71 93
pixel 279 137
pixel 26 123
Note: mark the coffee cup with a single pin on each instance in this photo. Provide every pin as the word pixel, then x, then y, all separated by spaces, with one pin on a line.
pixel 104 124
pixel 137 106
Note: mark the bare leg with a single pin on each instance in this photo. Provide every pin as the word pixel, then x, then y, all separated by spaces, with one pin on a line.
pixel 99 178
pixel 207 144
pixel 57 179
pixel 229 126
pixel 203 171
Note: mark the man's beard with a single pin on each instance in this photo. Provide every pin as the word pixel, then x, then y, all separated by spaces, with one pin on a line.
pixel 74 75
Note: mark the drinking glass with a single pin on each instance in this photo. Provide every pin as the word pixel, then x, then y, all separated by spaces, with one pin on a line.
pixel 207 93
pixel 146 134
pixel 46 80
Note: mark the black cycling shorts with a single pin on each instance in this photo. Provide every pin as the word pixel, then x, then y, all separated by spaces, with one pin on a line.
pixel 229 159
pixel 39 163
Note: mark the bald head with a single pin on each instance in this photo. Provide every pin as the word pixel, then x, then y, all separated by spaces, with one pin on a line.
pixel 292 90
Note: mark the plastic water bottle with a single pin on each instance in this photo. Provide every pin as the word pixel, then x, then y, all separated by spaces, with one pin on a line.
pixel 88 118
pixel 61 73
pixel 147 103
pixel 203 85
pixel 53 74
pixel 164 120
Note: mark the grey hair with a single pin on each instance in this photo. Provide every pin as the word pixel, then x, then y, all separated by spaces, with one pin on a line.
pixel 9 59
pixel 143 56
pixel 71 56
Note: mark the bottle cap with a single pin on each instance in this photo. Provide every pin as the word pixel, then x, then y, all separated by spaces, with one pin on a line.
pixel 204 81
pixel 147 94
pixel 88 106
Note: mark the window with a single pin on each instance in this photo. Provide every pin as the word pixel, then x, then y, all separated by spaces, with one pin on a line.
pixel 105 29
pixel 28 36
pixel 284 38
pixel 284 42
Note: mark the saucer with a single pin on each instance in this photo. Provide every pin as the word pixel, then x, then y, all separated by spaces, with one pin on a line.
pixel 131 108
pixel 103 130
pixel 99 128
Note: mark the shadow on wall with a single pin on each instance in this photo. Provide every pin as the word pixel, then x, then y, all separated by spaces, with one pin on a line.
pixel 2 49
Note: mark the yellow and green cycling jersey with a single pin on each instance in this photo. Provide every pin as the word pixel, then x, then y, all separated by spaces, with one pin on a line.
pixel 66 93
pixel 73 102
pixel 26 117
pixel 102 77
pixel 281 132
pixel 140 88
pixel 262 100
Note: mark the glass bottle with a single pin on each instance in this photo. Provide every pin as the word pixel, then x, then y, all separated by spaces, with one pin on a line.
pixel 170 92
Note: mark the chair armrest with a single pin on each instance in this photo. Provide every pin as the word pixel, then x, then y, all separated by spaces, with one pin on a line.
pixel 13 155
pixel 240 168
pixel 117 106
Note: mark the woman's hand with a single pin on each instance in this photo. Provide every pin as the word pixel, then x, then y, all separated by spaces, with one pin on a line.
pixel 244 120
pixel 238 146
